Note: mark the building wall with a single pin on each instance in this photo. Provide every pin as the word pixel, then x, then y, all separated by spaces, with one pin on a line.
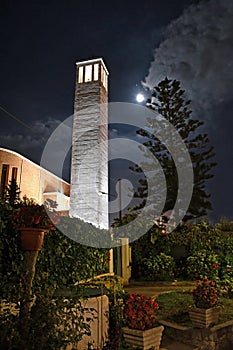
pixel 33 181
pixel 89 169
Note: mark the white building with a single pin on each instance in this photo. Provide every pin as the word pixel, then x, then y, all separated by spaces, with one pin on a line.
pixel 89 168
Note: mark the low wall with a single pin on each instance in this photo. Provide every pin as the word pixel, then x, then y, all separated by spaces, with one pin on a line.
pixel 219 337
pixel 99 326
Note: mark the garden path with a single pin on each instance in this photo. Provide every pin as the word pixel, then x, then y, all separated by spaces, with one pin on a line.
pixel 153 289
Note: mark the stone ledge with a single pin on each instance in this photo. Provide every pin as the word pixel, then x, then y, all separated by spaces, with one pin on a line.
pixel 174 325
pixel 218 337
pixel 222 325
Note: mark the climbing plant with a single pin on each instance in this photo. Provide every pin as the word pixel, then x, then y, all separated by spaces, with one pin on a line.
pixel 55 319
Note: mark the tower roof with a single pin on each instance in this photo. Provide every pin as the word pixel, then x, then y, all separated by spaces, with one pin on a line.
pixel 94 60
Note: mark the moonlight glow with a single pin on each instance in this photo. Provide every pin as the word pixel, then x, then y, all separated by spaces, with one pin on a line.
pixel 140 98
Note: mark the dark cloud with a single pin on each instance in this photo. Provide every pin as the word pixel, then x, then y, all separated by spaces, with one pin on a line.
pixel 31 141
pixel 198 50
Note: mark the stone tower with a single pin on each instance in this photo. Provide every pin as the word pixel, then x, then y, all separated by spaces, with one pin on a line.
pixel 89 164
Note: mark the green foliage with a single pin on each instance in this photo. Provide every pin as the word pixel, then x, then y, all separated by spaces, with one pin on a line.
pixel 158 268
pixel 226 286
pixel 84 233
pixel 168 100
pixel 116 296
pixel 13 193
pixel 202 264
pixel 10 254
pixel 58 322
pixel 225 225
pixel 174 307
pixel 54 323
pixel 9 326
pixel 203 244
pixel 62 262
pixel 55 320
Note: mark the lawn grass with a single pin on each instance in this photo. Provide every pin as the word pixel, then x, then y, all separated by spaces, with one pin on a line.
pixel 174 307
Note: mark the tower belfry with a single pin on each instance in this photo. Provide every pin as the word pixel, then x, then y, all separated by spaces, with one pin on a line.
pixel 89 163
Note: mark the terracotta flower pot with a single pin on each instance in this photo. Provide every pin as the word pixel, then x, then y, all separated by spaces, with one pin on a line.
pixel 204 318
pixel 144 339
pixel 32 238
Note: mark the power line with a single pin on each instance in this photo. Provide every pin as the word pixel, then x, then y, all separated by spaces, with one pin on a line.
pixel 15 118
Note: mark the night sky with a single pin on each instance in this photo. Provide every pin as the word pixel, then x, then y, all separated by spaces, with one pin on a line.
pixel 140 41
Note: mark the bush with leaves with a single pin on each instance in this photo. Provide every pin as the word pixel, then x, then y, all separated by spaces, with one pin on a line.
pixel 55 321
pixel 62 261
pixel 10 255
pixel 203 263
pixel 116 295
pixel 58 322
pixel 158 268
pixel 185 242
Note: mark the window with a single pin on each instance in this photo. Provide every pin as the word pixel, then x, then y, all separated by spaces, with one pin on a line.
pixel 96 71
pixel 14 174
pixel 4 179
pixel 104 77
pixel 88 73
pixel 105 80
pixel 80 75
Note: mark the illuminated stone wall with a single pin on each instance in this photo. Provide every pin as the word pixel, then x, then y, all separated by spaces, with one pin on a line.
pixel 89 168
pixel 33 180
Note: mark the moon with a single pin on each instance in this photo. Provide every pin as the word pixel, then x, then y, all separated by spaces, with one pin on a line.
pixel 140 98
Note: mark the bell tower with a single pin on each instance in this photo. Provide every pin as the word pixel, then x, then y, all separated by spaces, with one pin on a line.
pixel 89 163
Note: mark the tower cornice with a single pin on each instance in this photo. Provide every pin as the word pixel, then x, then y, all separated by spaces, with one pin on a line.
pixel 95 60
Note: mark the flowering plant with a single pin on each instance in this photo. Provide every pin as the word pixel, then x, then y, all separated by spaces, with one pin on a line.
pixel 34 215
pixel 205 295
pixel 140 311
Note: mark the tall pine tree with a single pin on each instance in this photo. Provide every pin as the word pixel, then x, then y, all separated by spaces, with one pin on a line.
pixel 168 99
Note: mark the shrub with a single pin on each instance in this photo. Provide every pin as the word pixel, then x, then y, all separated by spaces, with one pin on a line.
pixel 187 241
pixel 116 295
pixel 54 321
pixel 225 225
pixel 159 267
pixel 10 255
pixel 57 322
pixel 202 264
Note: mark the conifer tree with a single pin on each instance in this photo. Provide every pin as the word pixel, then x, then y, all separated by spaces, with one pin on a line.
pixel 13 193
pixel 168 99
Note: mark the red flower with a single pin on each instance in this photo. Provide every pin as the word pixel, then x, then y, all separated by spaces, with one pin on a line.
pixel 205 295
pixel 31 214
pixel 215 266
pixel 139 312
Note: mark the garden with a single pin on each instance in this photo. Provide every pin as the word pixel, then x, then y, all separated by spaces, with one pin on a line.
pixel 197 256
pixel 35 314
pixel 50 315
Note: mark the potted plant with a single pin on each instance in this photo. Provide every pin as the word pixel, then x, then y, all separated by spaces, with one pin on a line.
pixel 205 297
pixel 33 221
pixel 141 328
